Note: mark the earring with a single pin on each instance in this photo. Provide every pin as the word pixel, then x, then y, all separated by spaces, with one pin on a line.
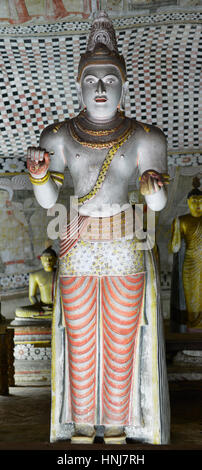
pixel 122 102
pixel 123 96
pixel 80 99
pixel 81 106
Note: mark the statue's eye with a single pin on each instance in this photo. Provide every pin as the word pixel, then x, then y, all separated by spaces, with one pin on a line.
pixel 110 79
pixel 90 80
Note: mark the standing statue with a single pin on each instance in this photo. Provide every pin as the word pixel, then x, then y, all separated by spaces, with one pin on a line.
pixel 41 282
pixel 108 367
pixel 188 228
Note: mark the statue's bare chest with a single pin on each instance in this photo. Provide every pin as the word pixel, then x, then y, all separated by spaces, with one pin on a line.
pixel 44 279
pixel 85 162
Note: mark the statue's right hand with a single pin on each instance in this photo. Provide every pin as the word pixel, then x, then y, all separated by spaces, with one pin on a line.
pixel 38 161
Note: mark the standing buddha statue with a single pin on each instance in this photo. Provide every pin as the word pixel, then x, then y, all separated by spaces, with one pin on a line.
pixel 108 366
pixel 188 227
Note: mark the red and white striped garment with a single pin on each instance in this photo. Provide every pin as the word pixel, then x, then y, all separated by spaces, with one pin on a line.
pixel 102 317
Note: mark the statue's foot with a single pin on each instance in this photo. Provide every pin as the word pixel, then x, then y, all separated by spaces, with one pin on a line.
pixel 114 435
pixel 28 312
pixel 22 313
pixel 84 434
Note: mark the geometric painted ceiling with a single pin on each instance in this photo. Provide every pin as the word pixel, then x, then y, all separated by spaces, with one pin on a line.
pixel 162 52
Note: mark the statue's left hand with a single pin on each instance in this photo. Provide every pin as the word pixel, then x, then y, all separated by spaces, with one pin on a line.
pixel 151 181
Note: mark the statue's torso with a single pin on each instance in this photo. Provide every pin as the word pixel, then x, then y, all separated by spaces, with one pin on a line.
pixel 84 166
pixel 143 149
pixel 191 228
pixel 44 280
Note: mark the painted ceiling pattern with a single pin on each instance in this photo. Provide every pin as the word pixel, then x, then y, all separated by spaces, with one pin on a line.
pixel 39 68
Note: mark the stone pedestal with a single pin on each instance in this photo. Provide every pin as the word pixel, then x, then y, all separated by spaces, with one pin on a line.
pixel 6 357
pixel 3 362
pixel 184 356
pixel 32 351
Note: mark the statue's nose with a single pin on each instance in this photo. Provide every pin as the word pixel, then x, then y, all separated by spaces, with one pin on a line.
pixel 100 87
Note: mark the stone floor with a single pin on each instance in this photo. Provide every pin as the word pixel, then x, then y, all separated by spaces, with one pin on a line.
pixel 25 417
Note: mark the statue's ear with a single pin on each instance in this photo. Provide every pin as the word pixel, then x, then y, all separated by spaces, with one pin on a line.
pixel 79 94
pixel 123 96
pixel 188 203
pixel 78 87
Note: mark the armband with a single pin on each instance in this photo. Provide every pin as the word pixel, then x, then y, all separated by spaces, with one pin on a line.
pixel 39 181
pixel 57 177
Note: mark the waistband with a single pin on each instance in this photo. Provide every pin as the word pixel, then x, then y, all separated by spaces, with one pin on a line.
pixel 114 227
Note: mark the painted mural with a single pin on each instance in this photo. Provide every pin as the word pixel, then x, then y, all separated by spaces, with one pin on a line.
pixel 23 234
pixel 44 11
pixel 20 220
pixel 22 11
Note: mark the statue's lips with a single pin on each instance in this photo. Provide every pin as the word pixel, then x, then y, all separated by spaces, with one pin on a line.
pixel 100 99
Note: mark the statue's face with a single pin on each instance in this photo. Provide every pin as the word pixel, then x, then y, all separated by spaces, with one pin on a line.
pixel 48 262
pixel 101 87
pixel 195 205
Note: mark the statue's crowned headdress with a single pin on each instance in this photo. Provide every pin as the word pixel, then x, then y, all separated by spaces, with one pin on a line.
pixel 102 46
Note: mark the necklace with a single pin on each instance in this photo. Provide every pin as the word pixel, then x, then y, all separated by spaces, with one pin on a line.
pixel 99 135
pixel 97 132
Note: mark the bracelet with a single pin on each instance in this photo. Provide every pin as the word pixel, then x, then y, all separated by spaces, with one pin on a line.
pixel 57 177
pixel 39 181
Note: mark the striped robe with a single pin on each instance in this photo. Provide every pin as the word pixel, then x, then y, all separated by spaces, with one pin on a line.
pixel 108 364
